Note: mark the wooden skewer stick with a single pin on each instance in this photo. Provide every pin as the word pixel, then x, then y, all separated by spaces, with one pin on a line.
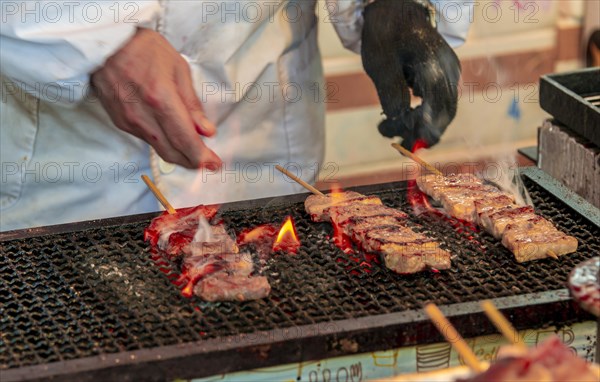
pixel 502 324
pixel 300 181
pixel 414 157
pixel 161 198
pixel 453 337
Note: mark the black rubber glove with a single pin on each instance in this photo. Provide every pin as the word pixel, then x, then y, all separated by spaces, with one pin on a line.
pixel 401 49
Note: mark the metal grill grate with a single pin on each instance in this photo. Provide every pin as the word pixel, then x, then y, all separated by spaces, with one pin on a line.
pixel 97 291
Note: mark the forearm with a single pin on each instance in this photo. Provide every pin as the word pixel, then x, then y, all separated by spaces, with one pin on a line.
pixel 452 17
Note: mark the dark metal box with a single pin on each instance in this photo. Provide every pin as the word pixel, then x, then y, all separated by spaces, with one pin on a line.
pixel 566 97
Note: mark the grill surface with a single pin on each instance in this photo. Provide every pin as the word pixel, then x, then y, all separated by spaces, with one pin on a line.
pixel 97 291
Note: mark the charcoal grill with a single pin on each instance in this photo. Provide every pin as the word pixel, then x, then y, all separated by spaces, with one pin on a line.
pixel 86 301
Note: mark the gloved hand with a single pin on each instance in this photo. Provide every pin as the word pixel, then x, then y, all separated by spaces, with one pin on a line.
pixel 402 50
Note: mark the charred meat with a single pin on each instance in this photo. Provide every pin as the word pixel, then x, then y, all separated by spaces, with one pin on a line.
pixel 210 257
pixel 317 206
pixel 527 235
pixel 379 229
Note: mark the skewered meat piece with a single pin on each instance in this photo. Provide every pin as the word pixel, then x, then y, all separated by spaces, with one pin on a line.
pixel 183 223
pixel 460 202
pixel 317 206
pixel 379 229
pixel 491 205
pixel 416 261
pixel 226 277
pixel 340 214
pixel 458 193
pixel 527 235
pixel 354 227
pixel 196 270
pixel 224 287
pixel 585 285
pixel 216 241
pixel 211 258
pixel 429 183
pixel 528 224
pixel 403 250
pixel 191 235
pixel 538 244
pixel 373 239
pixel 551 361
pixel 239 263
pixel 495 221
pixel 459 189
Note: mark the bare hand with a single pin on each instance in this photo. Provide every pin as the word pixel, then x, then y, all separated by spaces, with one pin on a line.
pixel 146 88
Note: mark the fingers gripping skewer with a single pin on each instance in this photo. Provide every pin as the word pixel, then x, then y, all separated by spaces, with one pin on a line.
pixel 414 157
pixel 452 336
pixel 161 198
pixel 300 181
pixel 502 324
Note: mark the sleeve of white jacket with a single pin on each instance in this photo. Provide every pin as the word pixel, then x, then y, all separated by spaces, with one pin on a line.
pixel 453 18
pixel 51 48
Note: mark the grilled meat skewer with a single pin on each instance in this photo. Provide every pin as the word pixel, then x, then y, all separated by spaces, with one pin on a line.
pixel 527 235
pixel 318 206
pixel 379 229
pixel 210 257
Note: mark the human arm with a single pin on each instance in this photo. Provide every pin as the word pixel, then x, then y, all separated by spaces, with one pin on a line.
pixel 402 51
pixel 51 50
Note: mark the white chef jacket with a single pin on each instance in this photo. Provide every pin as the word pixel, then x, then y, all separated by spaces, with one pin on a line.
pixel 256 68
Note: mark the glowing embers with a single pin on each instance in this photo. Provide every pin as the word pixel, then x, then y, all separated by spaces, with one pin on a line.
pixel 188 290
pixel 260 236
pixel 267 238
pixel 287 239
pixel 417 199
pixel 340 239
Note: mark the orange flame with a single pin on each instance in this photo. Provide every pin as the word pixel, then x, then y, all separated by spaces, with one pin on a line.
pixel 188 291
pixel 258 234
pixel 417 199
pixel 336 191
pixel 287 239
pixel 339 238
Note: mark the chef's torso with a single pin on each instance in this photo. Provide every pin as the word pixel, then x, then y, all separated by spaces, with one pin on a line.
pixel 256 68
